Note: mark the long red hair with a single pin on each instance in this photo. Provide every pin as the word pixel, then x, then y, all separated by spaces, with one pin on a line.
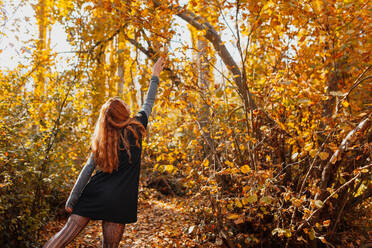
pixel 114 116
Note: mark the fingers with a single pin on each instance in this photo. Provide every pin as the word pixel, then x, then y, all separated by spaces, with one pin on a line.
pixel 68 209
pixel 158 66
pixel 161 62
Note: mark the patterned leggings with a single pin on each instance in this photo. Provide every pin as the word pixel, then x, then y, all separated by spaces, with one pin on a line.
pixel 112 232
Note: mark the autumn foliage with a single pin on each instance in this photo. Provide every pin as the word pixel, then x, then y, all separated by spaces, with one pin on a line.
pixel 262 118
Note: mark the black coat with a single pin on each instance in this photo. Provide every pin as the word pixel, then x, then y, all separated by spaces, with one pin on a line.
pixel 114 196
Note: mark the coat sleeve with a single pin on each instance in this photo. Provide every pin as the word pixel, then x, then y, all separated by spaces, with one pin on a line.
pixel 81 182
pixel 150 99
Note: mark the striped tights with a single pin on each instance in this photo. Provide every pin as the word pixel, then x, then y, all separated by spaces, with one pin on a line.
pixel 112 232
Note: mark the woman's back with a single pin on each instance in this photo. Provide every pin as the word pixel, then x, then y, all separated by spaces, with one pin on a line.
pixel 114 196
pixel 135 149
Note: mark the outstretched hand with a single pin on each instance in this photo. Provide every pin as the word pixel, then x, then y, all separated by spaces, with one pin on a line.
pixel 68 209
pixel 158 67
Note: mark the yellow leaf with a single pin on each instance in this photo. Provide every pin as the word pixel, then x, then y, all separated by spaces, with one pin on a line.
pixel 206 163
pixel 252 198
pixel 318 203
pixel 230 164
pixel 326 223
pixel 288 233
pixel 318 226
pixel 312 234
pixel 345 104
pixel 266 200
pixel 233 216
pixel 238 203
pixel 287 196
pixel 282 126
pixel 308 146
pixel 169 168
pixel 245 169
pixel 323 155
pixel 145 12
pixel 239 221
pixel 317 5
pixel 313 152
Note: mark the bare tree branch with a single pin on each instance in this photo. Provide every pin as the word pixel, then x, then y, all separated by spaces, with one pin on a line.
pixel 343 146
pixel 212 35
pixel 150 53
pixel 325 201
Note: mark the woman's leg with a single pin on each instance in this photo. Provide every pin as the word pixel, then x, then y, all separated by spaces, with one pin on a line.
pixel 72 228
pixel 112 233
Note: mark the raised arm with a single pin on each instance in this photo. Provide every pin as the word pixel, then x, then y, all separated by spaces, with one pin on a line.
pixel 80 184
pixel 154 82
pixel 150 97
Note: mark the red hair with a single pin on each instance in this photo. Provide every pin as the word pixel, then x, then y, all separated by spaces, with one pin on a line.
pixel 114 116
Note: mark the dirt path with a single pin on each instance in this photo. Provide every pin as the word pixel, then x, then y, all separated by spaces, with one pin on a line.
pixel 161 223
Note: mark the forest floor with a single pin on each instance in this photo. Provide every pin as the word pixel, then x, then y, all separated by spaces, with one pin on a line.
pixel 162 222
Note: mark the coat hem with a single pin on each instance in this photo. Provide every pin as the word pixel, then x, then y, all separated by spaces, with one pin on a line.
pixel 106 219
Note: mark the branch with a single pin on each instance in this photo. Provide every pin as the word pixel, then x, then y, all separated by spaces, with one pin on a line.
pixel 307 175
pixel 106 40
pixel 312 164
pixel 343 146
pixel 51 139
pixel 325 201
pixel 212 35
pixel 365 195
pixel 150 53
pixel 357 81
pixel 356 84
pixel 361 198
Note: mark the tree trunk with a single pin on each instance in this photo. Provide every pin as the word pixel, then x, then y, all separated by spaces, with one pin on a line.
pixel 99 84
pixel 40 47
pixel 121 68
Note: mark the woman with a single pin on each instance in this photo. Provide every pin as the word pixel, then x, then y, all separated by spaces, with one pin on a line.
pixel 111 195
